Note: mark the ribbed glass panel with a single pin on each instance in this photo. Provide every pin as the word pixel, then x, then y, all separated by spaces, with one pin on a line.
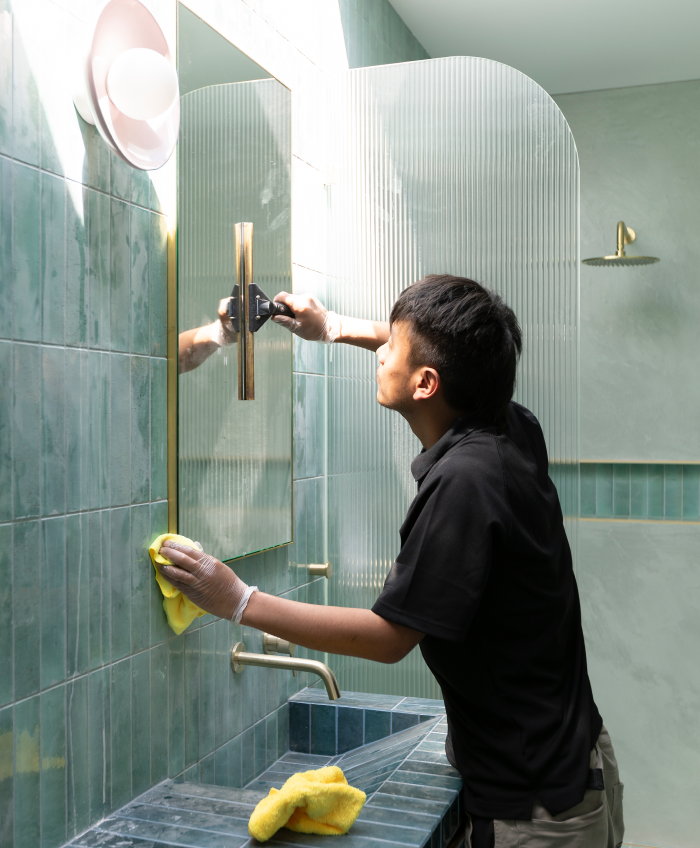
pixel 234 457
pixel 460 166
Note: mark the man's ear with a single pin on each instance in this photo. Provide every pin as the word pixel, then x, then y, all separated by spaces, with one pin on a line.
pixel 428 383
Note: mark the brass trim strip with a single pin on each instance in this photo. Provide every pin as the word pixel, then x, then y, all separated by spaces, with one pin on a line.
pixel 173 368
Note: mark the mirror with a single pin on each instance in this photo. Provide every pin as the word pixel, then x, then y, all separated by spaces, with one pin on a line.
pixel 234 455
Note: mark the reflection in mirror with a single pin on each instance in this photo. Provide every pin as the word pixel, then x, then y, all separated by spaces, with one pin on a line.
pixel 234 159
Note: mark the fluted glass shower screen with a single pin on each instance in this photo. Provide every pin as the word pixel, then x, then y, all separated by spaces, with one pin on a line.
pixel 461 166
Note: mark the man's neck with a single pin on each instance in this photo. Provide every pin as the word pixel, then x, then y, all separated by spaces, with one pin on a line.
pixel 432 424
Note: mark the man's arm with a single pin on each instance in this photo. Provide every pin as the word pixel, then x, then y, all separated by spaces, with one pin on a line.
pixel 195 346
pixel 214 587
pixel 337 630
pixel 314 323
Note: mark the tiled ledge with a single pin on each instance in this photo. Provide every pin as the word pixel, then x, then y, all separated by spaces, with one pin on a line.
pixel 318 726
pixel 413 794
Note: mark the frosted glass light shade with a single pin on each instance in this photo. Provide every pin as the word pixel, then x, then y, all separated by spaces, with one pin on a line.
pixel 142 83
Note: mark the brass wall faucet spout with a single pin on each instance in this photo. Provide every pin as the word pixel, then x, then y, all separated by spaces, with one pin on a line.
pixel 240 659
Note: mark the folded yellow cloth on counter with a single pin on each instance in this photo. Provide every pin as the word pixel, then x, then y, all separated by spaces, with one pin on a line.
pixel 179 610
pixel 317 801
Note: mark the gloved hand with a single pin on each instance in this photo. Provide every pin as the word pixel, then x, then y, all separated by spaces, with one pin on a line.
pixel 222 331
pixel 206 581
pixel 312 320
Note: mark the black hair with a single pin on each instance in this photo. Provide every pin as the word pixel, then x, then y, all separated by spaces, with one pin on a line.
pixel 469 336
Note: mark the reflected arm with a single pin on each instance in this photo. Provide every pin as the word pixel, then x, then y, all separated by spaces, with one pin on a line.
pixel 195 346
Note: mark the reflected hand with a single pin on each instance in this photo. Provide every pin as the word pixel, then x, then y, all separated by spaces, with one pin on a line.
pixel 312 321
pixel 206 581
pixel 222 330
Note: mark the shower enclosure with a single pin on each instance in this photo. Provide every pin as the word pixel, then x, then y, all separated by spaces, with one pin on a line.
pixel 462 166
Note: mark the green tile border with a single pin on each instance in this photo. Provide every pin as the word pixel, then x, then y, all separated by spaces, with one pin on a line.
pixel 651 491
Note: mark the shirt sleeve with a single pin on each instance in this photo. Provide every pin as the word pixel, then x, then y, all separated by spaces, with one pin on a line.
pixel 436 584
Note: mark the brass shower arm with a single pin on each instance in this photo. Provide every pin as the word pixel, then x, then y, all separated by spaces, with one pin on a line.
pixel 625 235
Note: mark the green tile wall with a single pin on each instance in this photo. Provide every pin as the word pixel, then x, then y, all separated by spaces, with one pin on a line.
pixel 641 491
pixel 98 698
pixel 376 35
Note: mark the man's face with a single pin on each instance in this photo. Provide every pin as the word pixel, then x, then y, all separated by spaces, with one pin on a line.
pixel 395 374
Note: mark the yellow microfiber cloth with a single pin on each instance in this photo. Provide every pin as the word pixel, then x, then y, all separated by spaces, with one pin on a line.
pixel 317 801
pixel 179 610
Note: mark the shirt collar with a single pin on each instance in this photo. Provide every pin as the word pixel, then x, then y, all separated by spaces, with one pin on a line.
pixel 426 459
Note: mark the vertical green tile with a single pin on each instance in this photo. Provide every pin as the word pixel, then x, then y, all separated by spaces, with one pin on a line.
pixel 192 774
pixel 140 318
pixel 140 723
pixel 271 739
pixel 656 491
pixel 691 492
pixel 207 689
pixel 621 490
pixel 6 683
pixel 100 588
pixel 207 769
pixel 247 755
pixel 25 91
pixel 222 671
pixel 53 607
pixel 120 696
pixel 604 490
pixel 673 491
pixel 120 262
pixel 26 430
pixel 299 418
pixel 53 258
pixel 234 721
pixel 159 429
pixel 260 747
pixel 176 705
pixel 158 284
pixel 53 767
pixel 77 764
pixel 6 778
pixel 120 421
pixel 140 429
pixel 192 696
pixel 159 713
pixel 300 508
pixel 99 422
pixel 53 431
pixel 282 730
pixel 5 431
pixel 27 811
pixel 221 766
pixel 77 411
pixel 120 177
pixel 588 477
pixel 26 607
pixel 160 631
pixel 141 573
pixel 5 242
pixel 76 264
pixel 234 762
pixel 26 278
pixel 99 265
pixel 140 184
pixel 77 594
pixel 96 165
pixel 120 598
pixel 6 78
pixel 639 489
pixel 100 733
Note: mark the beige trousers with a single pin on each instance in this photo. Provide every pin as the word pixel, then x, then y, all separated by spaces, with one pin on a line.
pixel 594 823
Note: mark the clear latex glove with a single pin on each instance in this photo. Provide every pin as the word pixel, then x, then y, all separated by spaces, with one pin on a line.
pixel 312 320
pixel 206 581
pixel 222 332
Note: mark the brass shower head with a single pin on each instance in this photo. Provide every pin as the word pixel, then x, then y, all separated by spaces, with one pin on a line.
pixel 625 235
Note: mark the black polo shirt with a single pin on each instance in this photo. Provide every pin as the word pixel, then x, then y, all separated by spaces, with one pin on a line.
pixel 485 572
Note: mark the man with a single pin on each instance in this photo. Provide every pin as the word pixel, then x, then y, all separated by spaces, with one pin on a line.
pixel 483 581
